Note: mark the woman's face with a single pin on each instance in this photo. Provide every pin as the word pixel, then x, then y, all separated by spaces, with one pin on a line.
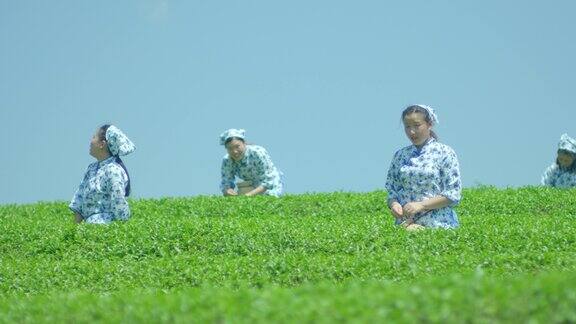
pixel 565 160
pixel 236 149
pixel 416 128
pixel 97 146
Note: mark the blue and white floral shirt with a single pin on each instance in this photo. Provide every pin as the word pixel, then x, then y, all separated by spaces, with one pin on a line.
pixel 554 176
pixel 417 174
pixel 255 166
pixel 101 195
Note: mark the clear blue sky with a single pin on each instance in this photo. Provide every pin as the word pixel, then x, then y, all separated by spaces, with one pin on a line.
pixel 320 84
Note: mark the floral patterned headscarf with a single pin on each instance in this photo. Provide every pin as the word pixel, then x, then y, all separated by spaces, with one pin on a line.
pixel 118 143
pixel 567 143
pixel 431 113
pixel 238 133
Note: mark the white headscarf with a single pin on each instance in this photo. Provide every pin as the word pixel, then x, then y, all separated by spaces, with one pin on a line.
pixel 567 143
pixel 238 133
pixel 118 143
pixel 431 113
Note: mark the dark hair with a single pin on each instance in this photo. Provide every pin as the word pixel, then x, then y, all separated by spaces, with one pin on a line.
pixel 117 159
pixel 417 109
pixel 572 168
pixel 230 139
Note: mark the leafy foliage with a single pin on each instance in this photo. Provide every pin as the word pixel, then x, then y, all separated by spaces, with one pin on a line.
pixel 213 258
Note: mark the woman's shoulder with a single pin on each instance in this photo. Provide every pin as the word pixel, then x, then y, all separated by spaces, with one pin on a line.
pixel 112 168
pixel 445 148
pixel 553 168
pixel 93 165
pixel 404 150
pixel 256 149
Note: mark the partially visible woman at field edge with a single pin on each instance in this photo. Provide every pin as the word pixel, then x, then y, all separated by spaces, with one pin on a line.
pixel 423 180
pixel 562 173
pixel 250 163
pixel 101 197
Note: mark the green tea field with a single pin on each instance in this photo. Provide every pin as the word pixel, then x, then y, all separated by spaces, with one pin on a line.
pixel 312 258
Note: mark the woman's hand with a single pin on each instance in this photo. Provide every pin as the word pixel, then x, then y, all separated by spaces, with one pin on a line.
pixel 413 208
pixel 257 191
pixel 414 227
pixel 230 192
pixel 396 210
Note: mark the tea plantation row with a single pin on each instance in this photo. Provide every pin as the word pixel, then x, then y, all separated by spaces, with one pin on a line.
pixel 260 258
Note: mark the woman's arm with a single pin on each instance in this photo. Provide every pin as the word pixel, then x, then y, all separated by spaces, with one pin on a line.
pixel 229 192
pixel 77 201
pixel 450 184
pixel 450 181
pixel 266 170
pixel 396 209
pixel 258 190
pixel 116 187
pixel 392 187
pixel 227 183
pixel 413 208
pixel 547 177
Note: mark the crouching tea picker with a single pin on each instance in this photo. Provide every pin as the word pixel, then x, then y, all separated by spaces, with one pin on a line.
pixel 562 173
pixel 424 178
pixel 251 164
pixel 101 197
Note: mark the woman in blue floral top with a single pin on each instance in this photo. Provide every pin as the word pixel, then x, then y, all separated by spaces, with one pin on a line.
pixel 251 163
pixel 424 178
pixel 101 197
pixel 562 173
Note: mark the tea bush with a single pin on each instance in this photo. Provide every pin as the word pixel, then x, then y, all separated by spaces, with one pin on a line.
pixel 329 257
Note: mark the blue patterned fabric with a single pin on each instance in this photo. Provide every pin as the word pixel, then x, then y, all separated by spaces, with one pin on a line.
pixel 554 176
pixel 238 133
pixel 255 166
pixel 431 113
pixel 118 143
pixel 567 143
pixel 101 197
pixel 417 174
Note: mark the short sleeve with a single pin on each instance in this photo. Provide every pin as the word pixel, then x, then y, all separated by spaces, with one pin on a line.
pixel 392 178
pixel 77 200
pixel 228 175
pixel 450 181
pixel 115 190
pixel 266 169
pixel 548 176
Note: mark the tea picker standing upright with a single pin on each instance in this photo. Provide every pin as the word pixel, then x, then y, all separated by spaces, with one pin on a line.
pixel 250 163
pixel 101 197
pixel 423 180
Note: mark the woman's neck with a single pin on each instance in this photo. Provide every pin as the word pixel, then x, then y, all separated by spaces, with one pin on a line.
pixel 102 157
pixel 423 143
